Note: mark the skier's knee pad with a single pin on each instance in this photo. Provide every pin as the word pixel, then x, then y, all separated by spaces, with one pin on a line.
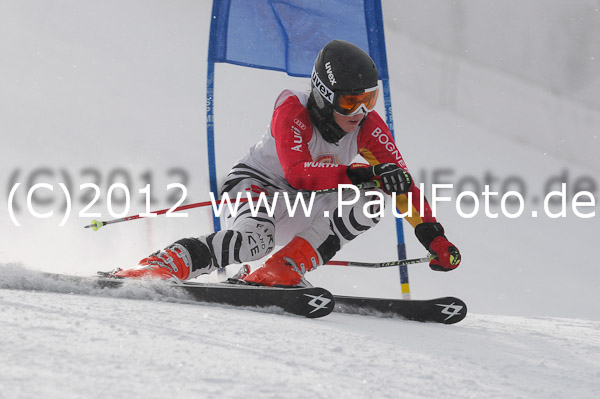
pixel 258 241
pixel 250 242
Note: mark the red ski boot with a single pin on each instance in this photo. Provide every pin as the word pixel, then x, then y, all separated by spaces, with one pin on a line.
pixel 172 262
pixel 287 266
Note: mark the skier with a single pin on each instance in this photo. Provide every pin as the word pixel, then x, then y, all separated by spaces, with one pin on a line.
pixel 310 144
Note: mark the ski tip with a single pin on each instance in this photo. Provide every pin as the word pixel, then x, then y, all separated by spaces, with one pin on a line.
pixel 451 310
pixel 319 302
pixel 445 310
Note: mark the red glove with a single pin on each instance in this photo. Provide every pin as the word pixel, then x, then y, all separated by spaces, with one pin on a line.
pixel 448 256
pixel 431 235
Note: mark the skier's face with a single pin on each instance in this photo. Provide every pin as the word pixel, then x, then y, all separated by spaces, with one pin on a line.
pixel 348 123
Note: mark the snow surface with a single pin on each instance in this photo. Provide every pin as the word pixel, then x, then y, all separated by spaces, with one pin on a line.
pixel 121 85
pixel 63 344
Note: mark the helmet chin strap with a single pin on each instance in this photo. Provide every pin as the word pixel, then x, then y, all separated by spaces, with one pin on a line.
pixel 318 98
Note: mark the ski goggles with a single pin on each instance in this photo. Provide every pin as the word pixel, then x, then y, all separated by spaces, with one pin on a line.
pixel 351 103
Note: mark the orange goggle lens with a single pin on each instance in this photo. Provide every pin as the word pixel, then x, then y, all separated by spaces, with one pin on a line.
pixel 348 104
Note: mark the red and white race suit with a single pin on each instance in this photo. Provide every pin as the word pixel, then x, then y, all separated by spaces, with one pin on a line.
pixel 291 157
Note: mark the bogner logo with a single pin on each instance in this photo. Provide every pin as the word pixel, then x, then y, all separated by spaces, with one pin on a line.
pixel 324 90
pixel 330 73
pixel 385 140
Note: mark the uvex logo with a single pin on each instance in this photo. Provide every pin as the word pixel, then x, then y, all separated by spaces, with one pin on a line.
pixel 330 74
pixel 324 90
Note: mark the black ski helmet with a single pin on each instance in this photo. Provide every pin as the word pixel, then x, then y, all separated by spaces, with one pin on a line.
pixel 340 67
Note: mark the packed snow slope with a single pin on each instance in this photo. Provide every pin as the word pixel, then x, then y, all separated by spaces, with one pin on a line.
pixel 65 344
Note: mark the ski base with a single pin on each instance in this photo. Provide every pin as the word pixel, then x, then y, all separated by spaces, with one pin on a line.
pixel 446 310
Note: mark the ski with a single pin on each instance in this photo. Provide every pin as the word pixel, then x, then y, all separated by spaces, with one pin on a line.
pixel 446 310
pixel 311 302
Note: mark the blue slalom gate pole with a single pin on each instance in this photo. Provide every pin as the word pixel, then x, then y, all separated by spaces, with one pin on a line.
pixel 210 139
